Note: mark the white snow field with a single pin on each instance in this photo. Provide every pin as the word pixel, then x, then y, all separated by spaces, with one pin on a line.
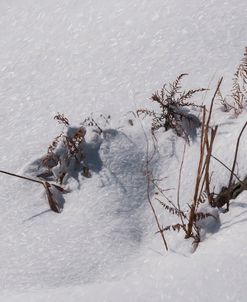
pixel 109 56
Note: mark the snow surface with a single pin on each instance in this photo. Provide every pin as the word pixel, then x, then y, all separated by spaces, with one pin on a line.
pixel 106 56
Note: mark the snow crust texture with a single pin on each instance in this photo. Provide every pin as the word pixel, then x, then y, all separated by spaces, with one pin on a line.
pixel 106 56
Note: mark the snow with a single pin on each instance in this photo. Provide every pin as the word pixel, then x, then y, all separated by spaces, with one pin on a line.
pixel 78 57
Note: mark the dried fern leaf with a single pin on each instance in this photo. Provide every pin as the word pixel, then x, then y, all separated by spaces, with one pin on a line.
pixel 201 215
pixel 53 202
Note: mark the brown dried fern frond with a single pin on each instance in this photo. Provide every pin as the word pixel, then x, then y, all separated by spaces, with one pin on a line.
pixel 187 95
pixel 174 109
pixel 242 70
pixel 91 122
pixel 51 148
pixel 55 143
pixel 65 151
pixel 175 227
pixel 238 96
pixel 171 209
pixel 62 119
pixel 201 215
pixel 239 89
pixel 176 85
pixel 145 112
pixel 74 141
pixel 226 106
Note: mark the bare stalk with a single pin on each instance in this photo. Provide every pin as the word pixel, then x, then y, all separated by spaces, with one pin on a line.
pixel 207 161
pixel 203 165
pixel 154 213
pixel 52 201
pixel 148 176
pixel 221 162
pixel 179 185
pixel 23 177
pixel 235 155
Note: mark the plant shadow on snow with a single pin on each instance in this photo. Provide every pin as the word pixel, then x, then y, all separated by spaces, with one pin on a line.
pixel 92 161
pixel 113 215
pixel 240 204
pixel 92 157
pixel 122 174
pixel 227 225
pixel 37 215
pixel 211 224
pixel 236 219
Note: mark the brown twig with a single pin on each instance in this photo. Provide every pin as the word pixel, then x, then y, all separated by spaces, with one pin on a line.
pixel 23 177
pixel 148 176
pixel 218 160
pixel 234 162
pixel 52 201
pixel 235 155
pixel 179 185
pixel 206 145
pixel 148 173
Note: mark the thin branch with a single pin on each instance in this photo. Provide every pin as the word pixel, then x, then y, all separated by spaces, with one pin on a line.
pixel 207 179
pixel 23 177
pixel 52 201
pixel 154 212
pixel 236 154
pixel 179 185
pixel 148 159
pixel 218 160
pixel 212 102
pixel 203 165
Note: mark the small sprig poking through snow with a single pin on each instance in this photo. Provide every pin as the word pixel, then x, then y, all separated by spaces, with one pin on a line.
pixel 54 143
pixel 237 101
pixel 239 87
pixel 189 219
pixel 65 151
pixel 62 119
pixel 99 125
pixel 174 110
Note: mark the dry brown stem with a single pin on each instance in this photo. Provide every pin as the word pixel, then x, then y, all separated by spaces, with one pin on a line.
pixel 203 177
pixel 236 154
pixel 54 205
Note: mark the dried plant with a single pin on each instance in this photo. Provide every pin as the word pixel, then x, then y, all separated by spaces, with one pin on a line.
pixel 53 202
pixel 171 209
pixel 240 79
pixel 73 143
pixel 203 178
pixel 149 177
pixel 53 191
pixel 174 227
pixel 54 143
pixel 236 102
pixel 99 125
pixel 233 189
pixel 226 106
pixel 64 151
pixel 188 220
pixel 62 119
pixel 174 110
